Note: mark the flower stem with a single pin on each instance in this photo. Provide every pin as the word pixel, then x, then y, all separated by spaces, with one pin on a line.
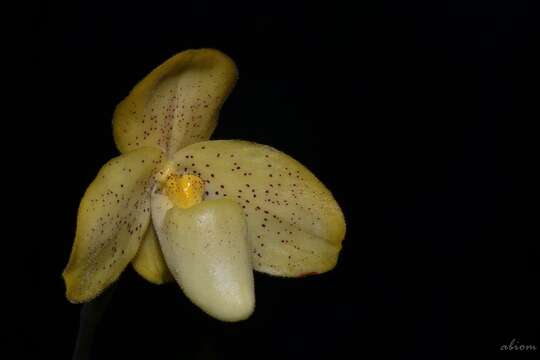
pixel 91 315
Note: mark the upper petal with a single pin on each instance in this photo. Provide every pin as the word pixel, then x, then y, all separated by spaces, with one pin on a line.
pixel 113 216
pixel 295 225
pixel 177 104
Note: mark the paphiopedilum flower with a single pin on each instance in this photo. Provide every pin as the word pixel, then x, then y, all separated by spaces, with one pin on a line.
pixel 204 213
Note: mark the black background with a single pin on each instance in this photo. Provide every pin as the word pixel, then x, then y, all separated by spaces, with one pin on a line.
pixel 417 115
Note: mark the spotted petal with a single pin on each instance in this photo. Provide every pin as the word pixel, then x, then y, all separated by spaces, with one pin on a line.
pixel 177 104
pixel 295 226
pixel 112 219
pixel 207 250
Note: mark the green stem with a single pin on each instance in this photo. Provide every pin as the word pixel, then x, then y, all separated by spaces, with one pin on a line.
pixel 91 315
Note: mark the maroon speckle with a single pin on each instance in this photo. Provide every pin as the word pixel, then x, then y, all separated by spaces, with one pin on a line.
pixel 308 274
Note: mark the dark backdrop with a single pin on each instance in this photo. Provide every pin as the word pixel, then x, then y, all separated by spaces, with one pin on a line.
pixel 416 114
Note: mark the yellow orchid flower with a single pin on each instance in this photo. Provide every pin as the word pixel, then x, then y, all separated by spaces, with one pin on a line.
pixel 204 213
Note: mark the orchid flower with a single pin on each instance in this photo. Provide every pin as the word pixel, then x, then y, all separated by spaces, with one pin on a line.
pixel 204 213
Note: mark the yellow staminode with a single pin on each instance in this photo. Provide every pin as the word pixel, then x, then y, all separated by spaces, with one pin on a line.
pixel 184 190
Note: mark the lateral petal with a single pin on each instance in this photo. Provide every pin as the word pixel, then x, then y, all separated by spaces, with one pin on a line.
pixel 112 219
pixel 295 226
pixel 177 104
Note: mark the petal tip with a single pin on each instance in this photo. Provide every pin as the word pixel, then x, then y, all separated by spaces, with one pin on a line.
pixel 234 311
pixel 153 277
pixel 73 293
